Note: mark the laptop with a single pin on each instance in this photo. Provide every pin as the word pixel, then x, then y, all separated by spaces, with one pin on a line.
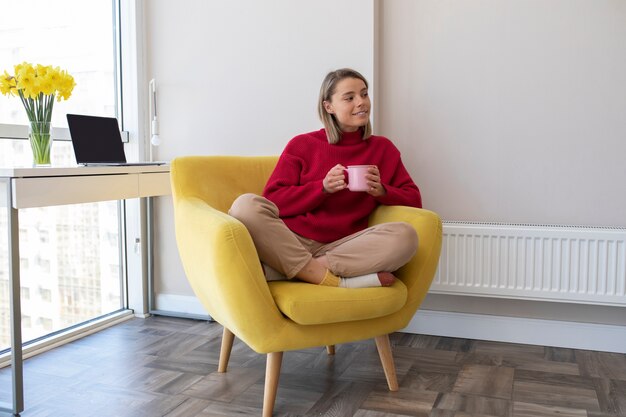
pixel 97 141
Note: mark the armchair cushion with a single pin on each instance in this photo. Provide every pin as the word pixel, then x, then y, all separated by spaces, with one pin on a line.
pixel 314 304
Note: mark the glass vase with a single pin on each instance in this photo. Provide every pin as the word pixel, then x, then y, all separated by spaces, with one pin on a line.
pixel 40 142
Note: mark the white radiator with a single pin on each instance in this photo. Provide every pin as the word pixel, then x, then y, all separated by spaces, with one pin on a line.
pixel 557 263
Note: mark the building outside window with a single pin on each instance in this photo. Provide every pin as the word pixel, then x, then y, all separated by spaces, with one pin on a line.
pixel 70 256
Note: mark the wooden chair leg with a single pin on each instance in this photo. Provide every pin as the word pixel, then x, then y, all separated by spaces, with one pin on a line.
pixel 330 349
pixel 272 373
pixel 227 345
pixel 386 358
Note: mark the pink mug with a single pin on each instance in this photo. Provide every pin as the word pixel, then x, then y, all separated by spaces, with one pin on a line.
pixel 356 177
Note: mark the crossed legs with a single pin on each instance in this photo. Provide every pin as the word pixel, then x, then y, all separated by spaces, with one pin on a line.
pixel 378 249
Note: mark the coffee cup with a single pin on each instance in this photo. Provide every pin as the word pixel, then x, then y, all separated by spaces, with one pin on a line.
pixel 356 177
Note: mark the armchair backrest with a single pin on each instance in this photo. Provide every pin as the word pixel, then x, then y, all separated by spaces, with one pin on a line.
pixel 219 180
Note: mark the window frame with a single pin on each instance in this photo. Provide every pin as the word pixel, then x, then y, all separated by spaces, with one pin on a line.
pixel 127 29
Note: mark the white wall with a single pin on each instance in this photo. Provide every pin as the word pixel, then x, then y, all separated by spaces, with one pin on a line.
pixel 509 111
pixel 242 77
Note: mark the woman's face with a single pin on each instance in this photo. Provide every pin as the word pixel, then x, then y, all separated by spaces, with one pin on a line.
pixel 350 104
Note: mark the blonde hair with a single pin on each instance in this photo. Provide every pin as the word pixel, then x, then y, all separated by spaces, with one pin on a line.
pixel 333 132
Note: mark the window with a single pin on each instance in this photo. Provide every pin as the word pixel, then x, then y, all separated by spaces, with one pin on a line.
pixel 25 292
pixel 80 41
pixel 67 253
pixel 45 294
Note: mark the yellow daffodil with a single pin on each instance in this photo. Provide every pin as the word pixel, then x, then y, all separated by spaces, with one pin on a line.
pixel 41 70
pixel 65 86
pixel 18 67
pixel 7 84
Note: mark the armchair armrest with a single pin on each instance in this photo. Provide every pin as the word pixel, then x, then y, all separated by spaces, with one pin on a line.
pixel 419 272
pixel 222 266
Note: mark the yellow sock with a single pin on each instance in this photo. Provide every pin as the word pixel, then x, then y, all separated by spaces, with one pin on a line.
pixel 330 279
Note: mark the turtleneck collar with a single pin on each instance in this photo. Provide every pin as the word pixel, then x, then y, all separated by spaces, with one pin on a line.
pixel 351 138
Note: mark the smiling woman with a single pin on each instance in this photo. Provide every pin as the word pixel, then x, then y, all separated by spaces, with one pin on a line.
pixel 309 225
pixel 350 104
pixel 344 99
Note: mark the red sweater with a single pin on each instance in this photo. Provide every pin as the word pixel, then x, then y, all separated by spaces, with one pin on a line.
pixel 296 187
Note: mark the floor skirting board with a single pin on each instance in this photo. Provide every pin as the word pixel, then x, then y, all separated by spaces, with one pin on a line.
pixel 575 335
pixel 590 336
pixel 186 306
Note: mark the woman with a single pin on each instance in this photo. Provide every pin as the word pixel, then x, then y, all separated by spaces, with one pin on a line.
pixel 308 224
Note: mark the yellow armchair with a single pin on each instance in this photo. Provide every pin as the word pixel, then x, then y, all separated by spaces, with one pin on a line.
pixel 222 266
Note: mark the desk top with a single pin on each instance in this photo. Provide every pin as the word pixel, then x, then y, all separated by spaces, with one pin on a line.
pixel 76 170
pixel 51 186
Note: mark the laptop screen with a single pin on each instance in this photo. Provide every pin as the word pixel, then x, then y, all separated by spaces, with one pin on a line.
pixel 96 139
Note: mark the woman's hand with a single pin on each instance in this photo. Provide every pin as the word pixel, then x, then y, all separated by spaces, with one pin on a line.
pixel 376 188
pixel 335 179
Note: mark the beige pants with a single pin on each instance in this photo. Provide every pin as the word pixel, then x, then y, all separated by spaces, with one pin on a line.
pixel 384 247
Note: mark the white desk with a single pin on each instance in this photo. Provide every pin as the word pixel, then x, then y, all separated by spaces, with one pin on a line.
pixel 40 187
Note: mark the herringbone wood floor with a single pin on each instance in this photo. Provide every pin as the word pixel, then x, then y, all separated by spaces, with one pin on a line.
pixel 168 367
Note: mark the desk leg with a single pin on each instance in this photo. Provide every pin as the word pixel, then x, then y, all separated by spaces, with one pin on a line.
pixel 149 251
pixel 15 304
